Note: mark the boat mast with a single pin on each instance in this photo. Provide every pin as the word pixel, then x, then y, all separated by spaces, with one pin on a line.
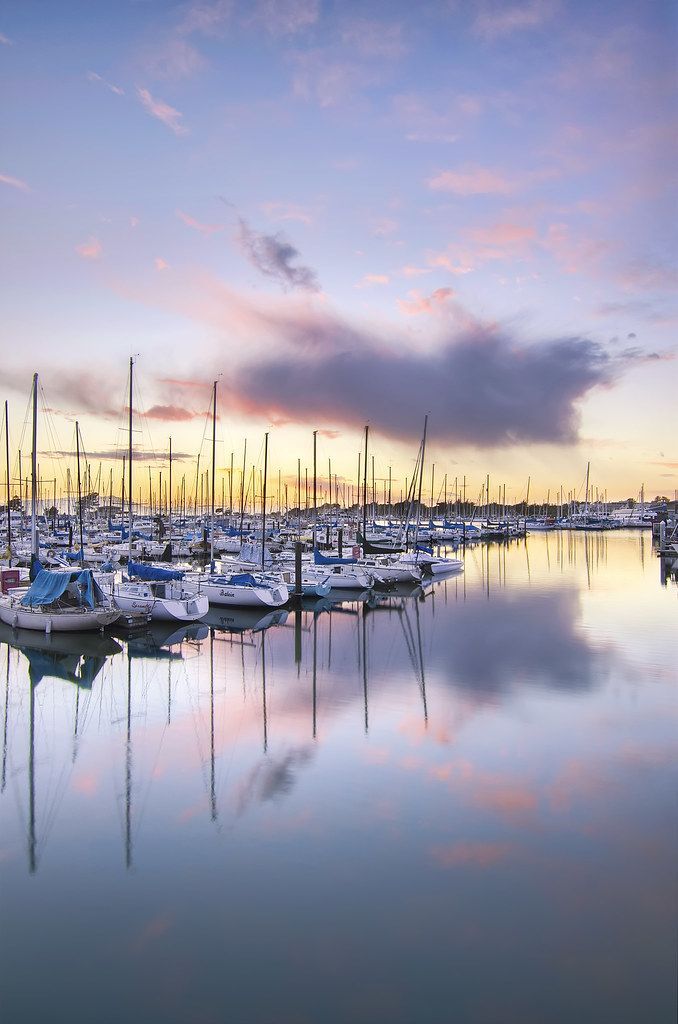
pixel 129 457
pixel 9 485
pixel 214 458
pixel 34 473
pixel 421 480
pixel 77 450
pixel 169 527
pixel 263 522
pixel 315 489
pixel 367 430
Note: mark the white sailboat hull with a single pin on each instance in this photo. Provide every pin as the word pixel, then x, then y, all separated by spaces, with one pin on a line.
pixel 55 621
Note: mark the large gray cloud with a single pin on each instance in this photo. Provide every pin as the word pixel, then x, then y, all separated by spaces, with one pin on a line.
pixel 273 255
pixel 484 388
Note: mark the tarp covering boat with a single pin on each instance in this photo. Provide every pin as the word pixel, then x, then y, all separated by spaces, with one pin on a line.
pixel 321 559
pixel 152 573
pixel 48 586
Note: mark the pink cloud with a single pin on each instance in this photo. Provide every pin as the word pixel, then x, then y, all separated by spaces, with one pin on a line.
pixel 171 413
pixel 5 40
pixel 502 235
pixel 370 279
pixel 495 19
pixel 453 263
pixel 384 226
pixel 412 271
pixel 481 855
pixel 17 183
pixel 161 264
pixel 418 303
pixel 162 111
pixel 191 222
pixel 575 253
pixel 471 181
pixel 91 249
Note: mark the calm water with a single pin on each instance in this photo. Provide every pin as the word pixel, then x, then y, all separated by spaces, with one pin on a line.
pixel 457 805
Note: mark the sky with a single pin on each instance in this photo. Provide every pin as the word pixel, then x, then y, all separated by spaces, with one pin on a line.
pixel 346 213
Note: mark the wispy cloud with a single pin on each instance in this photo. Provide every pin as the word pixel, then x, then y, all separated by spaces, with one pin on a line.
pixel 371 279
pixel 163 112
pixel 496 18
pixel 205 229
pixel 329 80
pixel 160 263
pixel 283 17
pixel 471 181
pixel 374 39
pixel 205 17
pixel 287 211
pixel 416 303
pixel 7 179
pixel 91 249
pixel 273 256
pixel 5 40
pixel 92 76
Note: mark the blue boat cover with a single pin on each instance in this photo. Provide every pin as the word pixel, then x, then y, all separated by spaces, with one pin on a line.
pixel 244 579
pixel 321 559
pixel 48 586
pixel 150 573
pixel 422 547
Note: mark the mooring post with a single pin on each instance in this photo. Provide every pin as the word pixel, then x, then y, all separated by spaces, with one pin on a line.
pixel 340 541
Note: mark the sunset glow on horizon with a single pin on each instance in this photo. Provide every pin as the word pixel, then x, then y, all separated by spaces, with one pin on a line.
pixel 345 214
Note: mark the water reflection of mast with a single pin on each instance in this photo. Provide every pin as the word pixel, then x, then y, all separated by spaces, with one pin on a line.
pixel 75 728
pixel 31 781
pixel 213 799
pixel 263 686
pixel 364 645
pixel 421 662
pixel 128 769
pixel 415 650
pixel 3 781
pixel 315 673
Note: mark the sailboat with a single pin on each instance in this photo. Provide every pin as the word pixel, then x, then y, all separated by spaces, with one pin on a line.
pixel 69 601
pixel 243 589
pixel 159 592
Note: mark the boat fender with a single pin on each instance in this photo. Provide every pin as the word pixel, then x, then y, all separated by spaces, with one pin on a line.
pixel 48 627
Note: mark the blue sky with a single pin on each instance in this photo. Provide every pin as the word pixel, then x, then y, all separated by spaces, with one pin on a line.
pixel 469 205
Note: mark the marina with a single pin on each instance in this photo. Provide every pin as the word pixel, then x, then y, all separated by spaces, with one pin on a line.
pixel 338 512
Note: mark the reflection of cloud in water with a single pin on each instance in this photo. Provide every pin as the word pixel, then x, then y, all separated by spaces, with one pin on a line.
pixel 272 778
pixel 533 636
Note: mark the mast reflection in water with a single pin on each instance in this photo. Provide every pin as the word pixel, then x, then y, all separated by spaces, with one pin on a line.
pixel 450 802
